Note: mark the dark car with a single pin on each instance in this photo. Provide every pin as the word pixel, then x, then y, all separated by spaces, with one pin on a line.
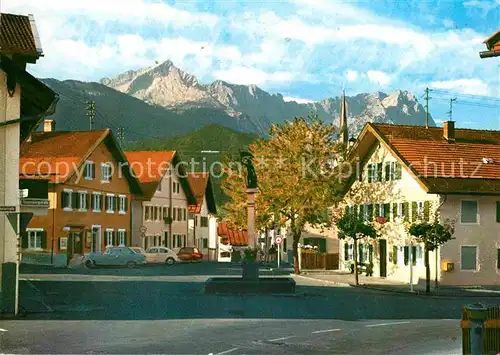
pixel 190 254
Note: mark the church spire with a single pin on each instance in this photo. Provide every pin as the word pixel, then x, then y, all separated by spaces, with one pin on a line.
pixel 344 133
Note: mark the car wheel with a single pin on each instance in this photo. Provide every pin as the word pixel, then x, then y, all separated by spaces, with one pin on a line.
pixel 131 264
pixel 90 264
pixel 170 261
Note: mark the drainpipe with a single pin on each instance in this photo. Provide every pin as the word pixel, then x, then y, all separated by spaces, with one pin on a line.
pixel 436 279
pixel 53 225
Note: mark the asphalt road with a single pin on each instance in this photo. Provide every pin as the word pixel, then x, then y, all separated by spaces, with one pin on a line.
pixel 164 310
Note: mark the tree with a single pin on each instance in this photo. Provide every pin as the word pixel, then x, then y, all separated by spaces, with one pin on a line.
pixel 432 235
pixel 351 225
pixel 300 170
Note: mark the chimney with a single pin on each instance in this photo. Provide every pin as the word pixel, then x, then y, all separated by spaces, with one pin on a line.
pixel 449 131
pixel 49 126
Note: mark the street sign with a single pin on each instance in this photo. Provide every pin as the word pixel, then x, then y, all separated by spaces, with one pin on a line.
pixel 278 240
pixel 7 208
pixel 143 229
pixel 34 202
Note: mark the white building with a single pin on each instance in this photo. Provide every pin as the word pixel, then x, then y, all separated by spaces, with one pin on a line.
pixel 411 173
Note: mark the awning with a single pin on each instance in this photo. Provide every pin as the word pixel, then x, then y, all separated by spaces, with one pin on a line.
pixel 37 99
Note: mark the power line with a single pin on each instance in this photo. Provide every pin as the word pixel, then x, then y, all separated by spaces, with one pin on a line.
pixel 461 95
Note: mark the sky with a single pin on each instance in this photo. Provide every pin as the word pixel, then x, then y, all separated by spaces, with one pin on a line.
pixel 306 50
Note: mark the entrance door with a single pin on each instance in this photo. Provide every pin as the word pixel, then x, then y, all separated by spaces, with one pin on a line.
pixel 383 257
pixel 96 239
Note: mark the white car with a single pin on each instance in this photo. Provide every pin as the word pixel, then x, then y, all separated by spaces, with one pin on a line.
pixel 160 255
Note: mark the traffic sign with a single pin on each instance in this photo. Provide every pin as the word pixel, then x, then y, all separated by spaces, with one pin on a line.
pixel 7 208
pixel 278 240
pixel 143 229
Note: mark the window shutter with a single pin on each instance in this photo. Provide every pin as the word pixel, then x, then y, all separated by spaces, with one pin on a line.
pixel 126 204
pixel 93 170
pixel 89 198
pixel 110 172
pixel 125 239
pixel 92 202
pixel 380 168
pixel 414 255
pixel 101 202
pixel 407 255
pixel 322 245
pixel 398 171
pixel 115 203
pixel 387 171
pixel 346 210
pixel 114 238
pixel 394 210
pixel 387 211
pixel 361 211
pixel 406 211
pixel 360 253
pixel 370 212
pixel 370 170
pixel 414 211
pixel 370 253
pixel 427 210
pixel 355 210
pixel 498 258
pixel 395 254
pixel 498 211
pixel 63 199
pixel 24 240
pixel 74 199
pixel 43 237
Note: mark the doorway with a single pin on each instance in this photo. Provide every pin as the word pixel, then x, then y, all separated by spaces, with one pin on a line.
pixel 383 257
pixel 75 244
pixel 96 239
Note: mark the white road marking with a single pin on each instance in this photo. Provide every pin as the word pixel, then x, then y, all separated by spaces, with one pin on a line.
pixel 383 324
pixel 284 338
pixel 325 331
pixel 227 351
pixel 3 330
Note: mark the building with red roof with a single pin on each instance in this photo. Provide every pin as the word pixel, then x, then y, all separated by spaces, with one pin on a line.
pixel 410 174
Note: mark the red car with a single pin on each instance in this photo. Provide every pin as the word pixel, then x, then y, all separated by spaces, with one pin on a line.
pixel 190 254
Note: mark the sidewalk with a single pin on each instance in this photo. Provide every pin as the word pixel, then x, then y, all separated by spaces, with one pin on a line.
pixel 381 284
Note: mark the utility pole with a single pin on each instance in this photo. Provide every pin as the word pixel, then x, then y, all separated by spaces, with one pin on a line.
pixel 121 135
pixel 427 107
pixel 91 113
pixel 450 113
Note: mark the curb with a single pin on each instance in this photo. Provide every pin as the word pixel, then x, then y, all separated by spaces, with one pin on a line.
pixel 424 294
pixel 323 281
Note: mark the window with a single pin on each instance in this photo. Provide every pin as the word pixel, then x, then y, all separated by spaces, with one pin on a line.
pixel 96 202
pixel 110 203
pixel 420 209
pixel 121 237
pixel 89 170
pixel 34 238
pixel 109 237
pixel 468 257
pixel 155 213
pixel 165 239
pixel 184 214
pixel 123 204
pixel 146 213
pixel 67 200
pixel 498 211
pixel 372 173
pixel 469 212
pixel 165 212
pixel 82 200
pixel 387 171
pixel 204 221
pixel 106 172
pixel 498 258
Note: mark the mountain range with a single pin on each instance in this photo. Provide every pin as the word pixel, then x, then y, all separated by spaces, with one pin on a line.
pixel 164 101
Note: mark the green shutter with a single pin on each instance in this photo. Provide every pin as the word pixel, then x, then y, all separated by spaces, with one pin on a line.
pixel 387 211
pixel 63 199
pixel 346 211
pixel 370 253
pixel 407 254
pixel 406 211
pixel 498 258
pixel 387 171
pixel 361 211
pixel 414 255
pixel 498 211
pixel 43 238
pixel 370 169
pixel 427 210
pixel 395 254
pixel 380 169
pixel 322 245
pixel 414 211
pixel 360 253
pixel 394 210
pixel 74 200
pixel 24 240
pixel 126 204
pixel 370 212
pixel 306 241
pixel 398 171
pixel 355 210
pixel 114 235
pixel 346 251
pixel 93 170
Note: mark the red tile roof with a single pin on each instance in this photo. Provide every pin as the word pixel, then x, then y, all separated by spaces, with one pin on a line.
pixel 236 237
pixel 198 183
pixel 57 155
pixel 16 35
pixel 464 165
pixel 150 166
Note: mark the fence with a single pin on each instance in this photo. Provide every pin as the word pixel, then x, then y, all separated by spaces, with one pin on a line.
pixel 320 261
pixel 491 331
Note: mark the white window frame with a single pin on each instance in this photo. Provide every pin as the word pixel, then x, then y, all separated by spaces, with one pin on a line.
pixel 70 200
pixel 478 220
pixel 80 194
pixel 477 258
pixel 111 211
pixel 106 237
pixel 121 203
pixel 121 237
pixel 94 195
pixel 28 230
pixel 106 172
pixel 87 163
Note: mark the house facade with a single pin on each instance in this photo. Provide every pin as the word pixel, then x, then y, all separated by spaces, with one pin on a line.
pixel 203 223
pixel 409 174
pixel 160 216
pixel 90 189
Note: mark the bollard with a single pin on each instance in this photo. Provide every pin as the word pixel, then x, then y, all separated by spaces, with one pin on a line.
pixel 478 313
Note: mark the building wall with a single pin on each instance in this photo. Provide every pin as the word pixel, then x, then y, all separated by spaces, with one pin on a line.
pixel 59 219
pixel 405 189
pixel 163 198
pixel 485 235
pixel 202 233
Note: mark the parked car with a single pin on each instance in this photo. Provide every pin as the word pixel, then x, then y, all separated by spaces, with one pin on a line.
pixel 190 254
pixel 116 256
pixel 157 255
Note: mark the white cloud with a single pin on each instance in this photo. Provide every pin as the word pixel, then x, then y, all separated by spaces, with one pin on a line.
pixel 246 76
pixel 352 75
pixel 484 5
pixel 448 23
pixel 463 86
pixel 378 77
pixel 297 100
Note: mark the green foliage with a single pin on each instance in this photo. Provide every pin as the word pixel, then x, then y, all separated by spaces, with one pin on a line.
pixel 352 226
pixel 433 234
pixel 250 254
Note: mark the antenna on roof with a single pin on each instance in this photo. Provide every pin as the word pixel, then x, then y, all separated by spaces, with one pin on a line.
pixel 450 113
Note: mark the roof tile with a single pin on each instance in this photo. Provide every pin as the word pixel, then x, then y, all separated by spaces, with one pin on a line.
pixel 16 35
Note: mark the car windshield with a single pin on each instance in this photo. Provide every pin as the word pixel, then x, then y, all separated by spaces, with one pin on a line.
pixel 138 250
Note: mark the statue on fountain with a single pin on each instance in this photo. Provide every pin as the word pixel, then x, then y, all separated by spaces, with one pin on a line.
pixel 247 161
